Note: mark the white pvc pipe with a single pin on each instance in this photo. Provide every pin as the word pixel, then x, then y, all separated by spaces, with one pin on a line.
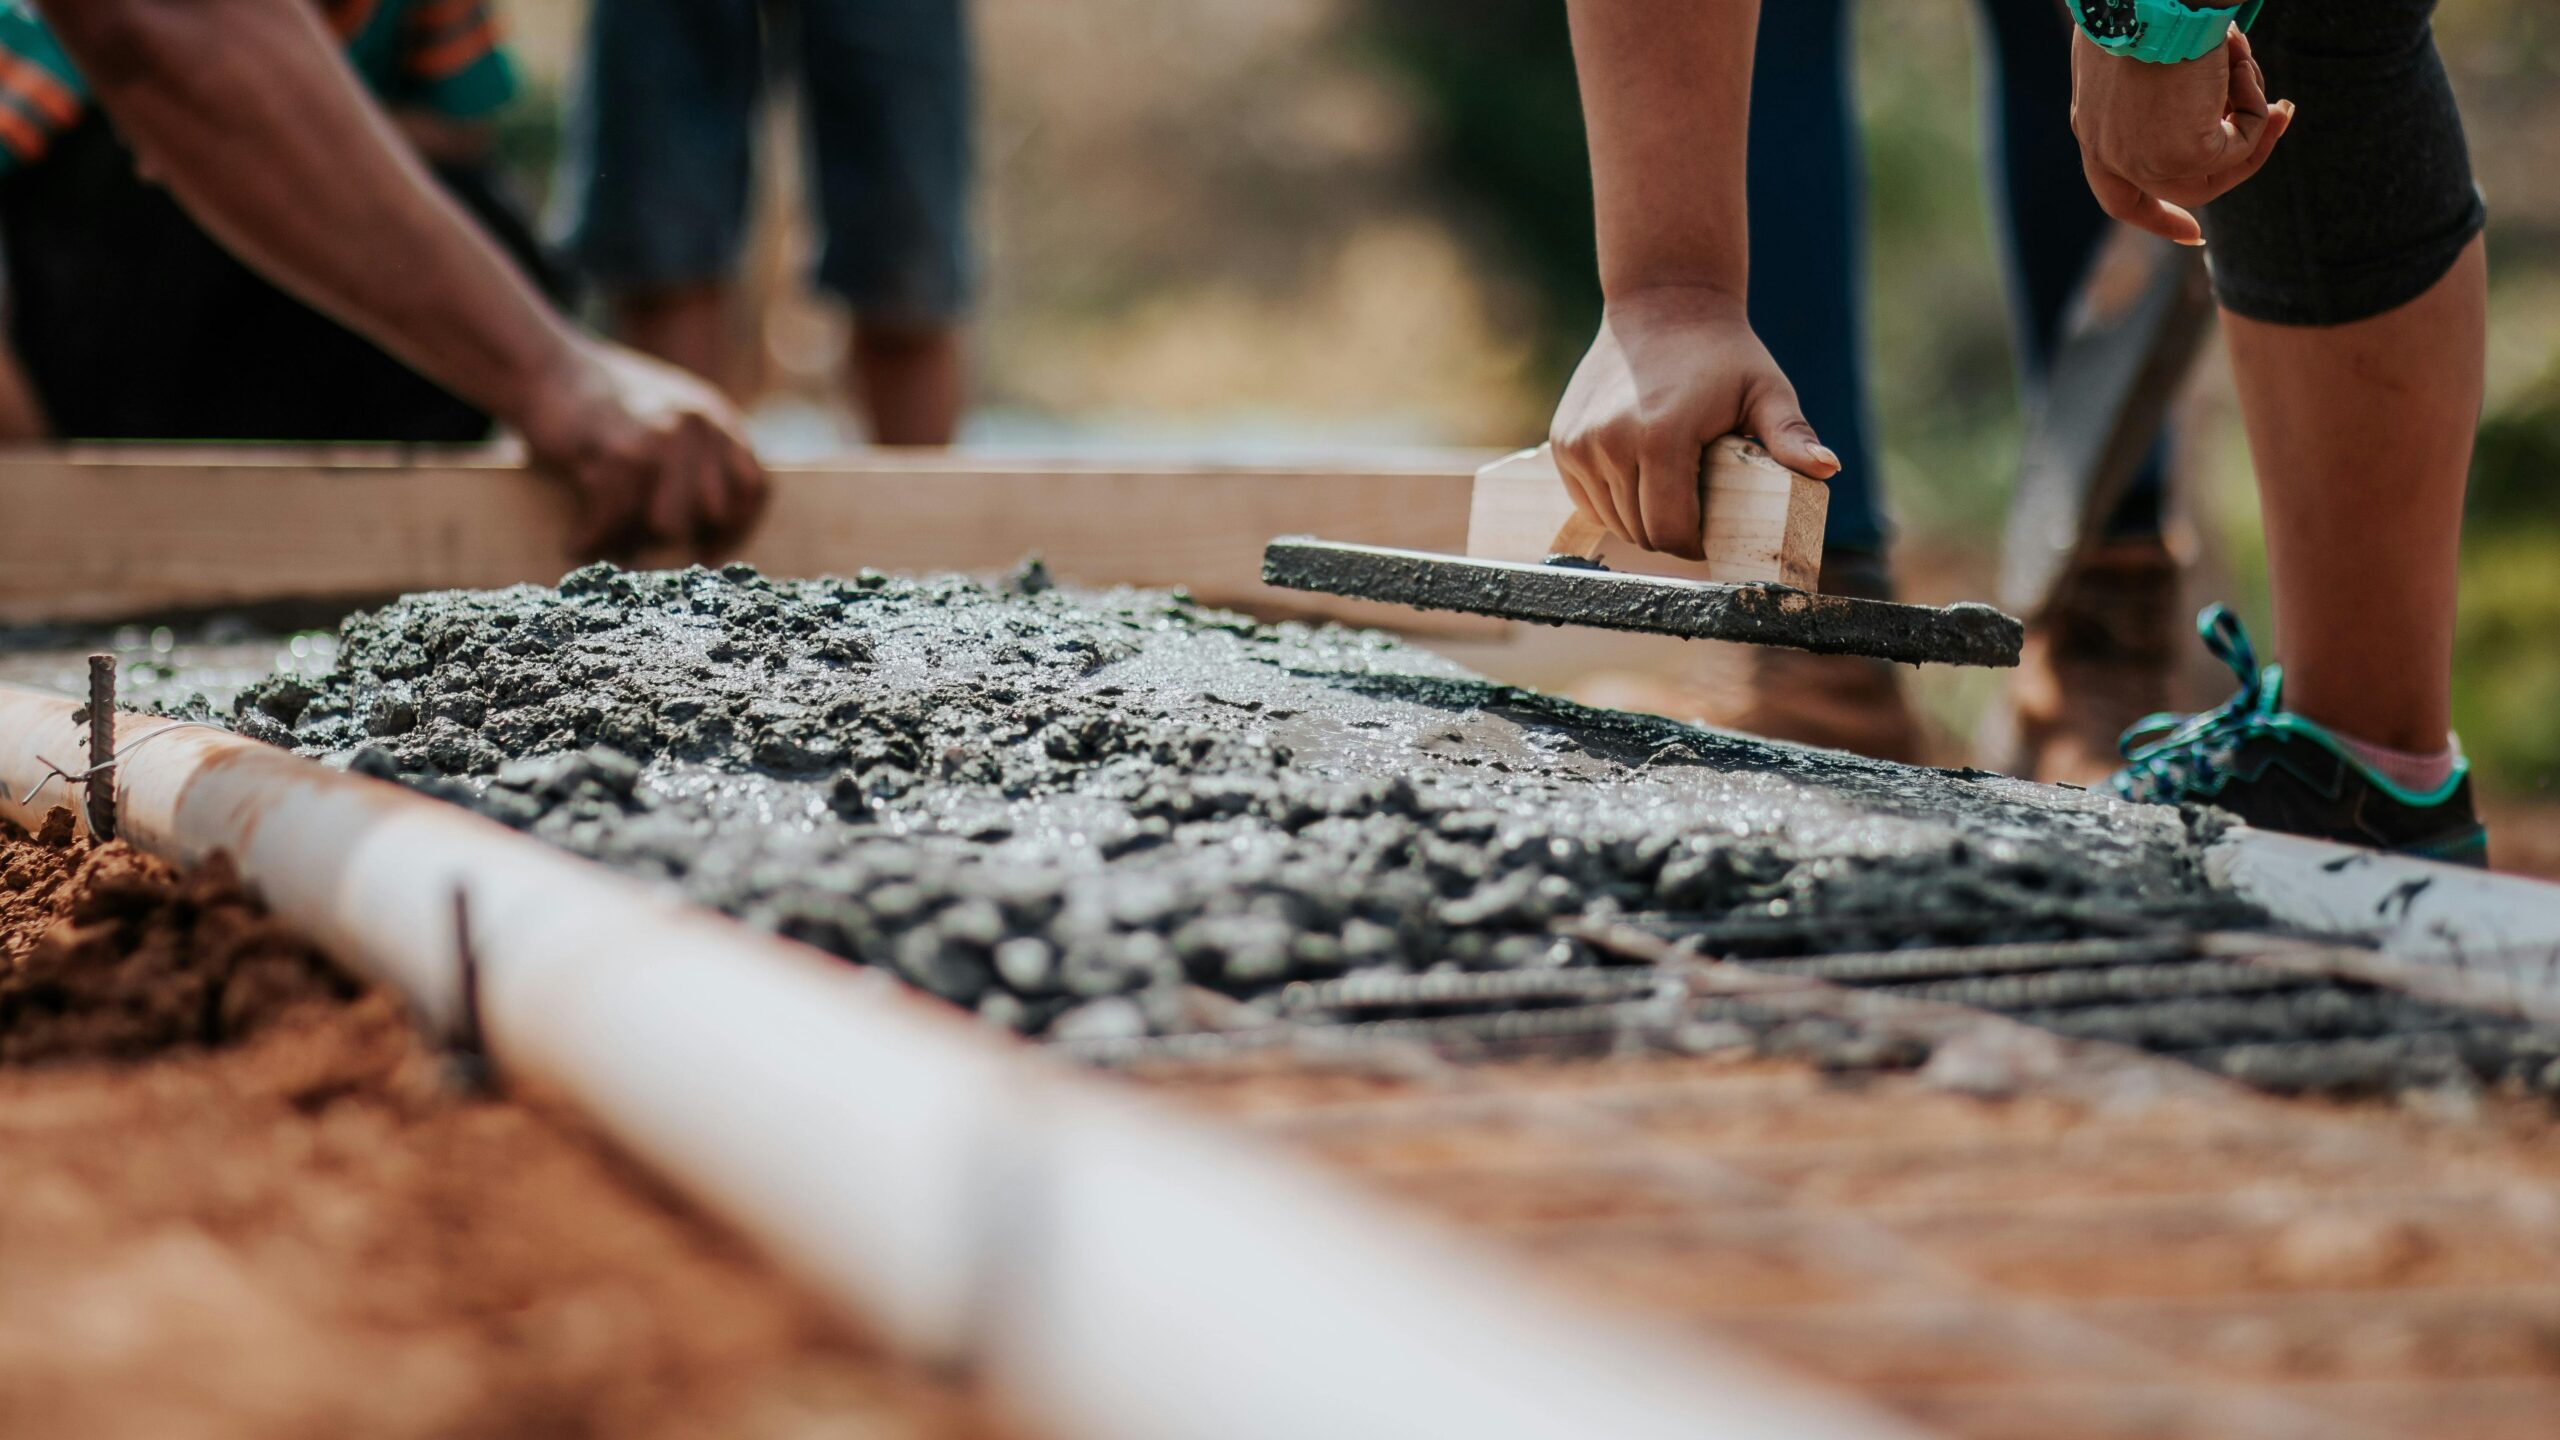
pixel 2471 936
pixel 1121 1274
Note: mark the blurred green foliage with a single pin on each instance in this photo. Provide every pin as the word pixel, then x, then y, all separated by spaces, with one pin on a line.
pixel 2507 644
pixel 1493 81
pixel 2506 661
pixel 1940 367
pixel 529 137
pixel 2513 470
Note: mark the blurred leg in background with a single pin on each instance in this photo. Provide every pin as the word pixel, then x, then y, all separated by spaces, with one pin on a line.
pixel 659 165
pixel 2102 657
pixel 656 168
pixel 886 95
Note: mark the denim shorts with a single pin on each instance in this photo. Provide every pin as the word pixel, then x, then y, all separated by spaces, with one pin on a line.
pixel 2369 199
pixel 655 171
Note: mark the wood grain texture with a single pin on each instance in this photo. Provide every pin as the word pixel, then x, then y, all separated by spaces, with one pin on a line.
pixel 1763 521
pixel 106 533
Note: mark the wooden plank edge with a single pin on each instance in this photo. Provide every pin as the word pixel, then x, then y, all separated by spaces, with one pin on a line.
pixel 116 575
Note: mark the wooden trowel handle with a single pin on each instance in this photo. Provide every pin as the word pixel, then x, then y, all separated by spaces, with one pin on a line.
pixel 1763 522
pixel 1581 535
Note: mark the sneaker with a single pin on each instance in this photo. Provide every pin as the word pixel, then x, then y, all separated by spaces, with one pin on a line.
pixel 2279 771
pixel 2097 660
pixel 1838 702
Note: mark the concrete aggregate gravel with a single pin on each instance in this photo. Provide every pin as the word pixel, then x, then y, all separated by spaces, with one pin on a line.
pixel 1072 810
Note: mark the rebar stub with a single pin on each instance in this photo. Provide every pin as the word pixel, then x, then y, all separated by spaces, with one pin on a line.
pixel 101 775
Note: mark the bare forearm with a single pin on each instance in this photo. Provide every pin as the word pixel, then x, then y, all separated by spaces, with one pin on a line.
pixel 246 111
pixel 1666 97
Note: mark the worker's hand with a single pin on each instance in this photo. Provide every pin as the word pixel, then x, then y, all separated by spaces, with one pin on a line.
pixel 1671 371
pixel 2159 140
pixel 653 453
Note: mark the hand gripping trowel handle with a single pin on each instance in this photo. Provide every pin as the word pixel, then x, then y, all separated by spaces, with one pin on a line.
pixel 1763 542
pixel 1763 522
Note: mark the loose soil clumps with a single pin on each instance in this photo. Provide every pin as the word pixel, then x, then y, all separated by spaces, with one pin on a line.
pixel 108 953
pixel 240 1198
pixel 1064 808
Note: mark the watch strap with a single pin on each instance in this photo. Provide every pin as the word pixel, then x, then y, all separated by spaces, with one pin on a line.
pixel 2175 33
pixel 2166 32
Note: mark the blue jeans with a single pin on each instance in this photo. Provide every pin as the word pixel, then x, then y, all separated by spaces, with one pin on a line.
pixel 1808 233
pixel 656 165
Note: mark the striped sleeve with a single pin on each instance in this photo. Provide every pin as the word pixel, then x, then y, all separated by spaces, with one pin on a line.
pixel 453 57
pixel 40 93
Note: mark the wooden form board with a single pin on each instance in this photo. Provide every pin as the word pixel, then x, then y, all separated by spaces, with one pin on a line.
pixel 1763 521
pixel 116 532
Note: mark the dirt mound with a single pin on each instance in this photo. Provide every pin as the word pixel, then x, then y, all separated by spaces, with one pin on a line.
pixel 108 953
pixel 264 1210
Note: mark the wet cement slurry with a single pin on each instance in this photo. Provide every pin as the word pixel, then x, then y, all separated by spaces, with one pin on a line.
pixel 1096 817
pixel 1060 807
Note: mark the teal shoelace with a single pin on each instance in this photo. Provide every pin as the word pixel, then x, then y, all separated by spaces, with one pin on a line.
pixel 2170 757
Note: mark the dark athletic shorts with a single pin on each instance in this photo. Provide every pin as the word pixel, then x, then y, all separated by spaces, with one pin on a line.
pixel 2369 198
pixel 655 173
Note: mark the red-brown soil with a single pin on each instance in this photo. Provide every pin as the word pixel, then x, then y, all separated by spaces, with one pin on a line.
pixel 240 1197
pixel 111 954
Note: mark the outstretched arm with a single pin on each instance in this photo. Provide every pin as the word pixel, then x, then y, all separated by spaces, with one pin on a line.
pixel 247 112
pixel 1666 97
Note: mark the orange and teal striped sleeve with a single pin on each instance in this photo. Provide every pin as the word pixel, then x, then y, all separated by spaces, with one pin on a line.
pixel 40 93
pixel 452 57
pixel 441 55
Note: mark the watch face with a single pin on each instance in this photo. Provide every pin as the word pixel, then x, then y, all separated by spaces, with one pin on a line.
pixel 2110 19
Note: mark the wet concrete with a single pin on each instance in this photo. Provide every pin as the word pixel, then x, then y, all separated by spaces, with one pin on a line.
pixel 1075 811
pixel 162 665
pixel 1577 593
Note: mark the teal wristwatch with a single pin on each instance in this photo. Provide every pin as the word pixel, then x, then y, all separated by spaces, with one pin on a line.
pixel 2164 32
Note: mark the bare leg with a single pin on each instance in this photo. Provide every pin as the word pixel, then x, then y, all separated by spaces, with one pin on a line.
pixel 686 325
pixel 907 382
pixel 2362 437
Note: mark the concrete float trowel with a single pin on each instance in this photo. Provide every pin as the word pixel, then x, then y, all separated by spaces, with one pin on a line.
pixel 1532 555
